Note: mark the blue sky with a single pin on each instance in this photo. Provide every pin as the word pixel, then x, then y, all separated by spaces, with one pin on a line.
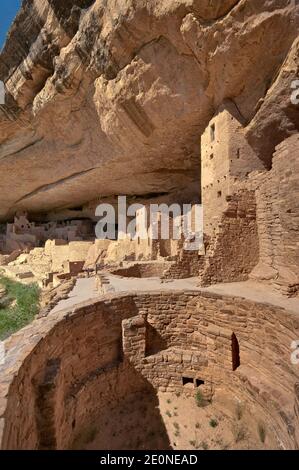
pixel 8 10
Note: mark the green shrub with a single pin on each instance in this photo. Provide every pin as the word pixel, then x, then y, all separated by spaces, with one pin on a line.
pixel 213 423
pixel 201 401
pixel 22 307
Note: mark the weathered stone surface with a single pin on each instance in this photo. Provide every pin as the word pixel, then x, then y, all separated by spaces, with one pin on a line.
pixel 277 117
pixel 73 366
pixel 105 99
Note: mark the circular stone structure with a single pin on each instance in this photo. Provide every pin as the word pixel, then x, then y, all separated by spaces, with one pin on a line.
pixel 66 373
pixel 143 269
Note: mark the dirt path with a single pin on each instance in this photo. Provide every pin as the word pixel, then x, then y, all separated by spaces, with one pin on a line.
pixel 85 290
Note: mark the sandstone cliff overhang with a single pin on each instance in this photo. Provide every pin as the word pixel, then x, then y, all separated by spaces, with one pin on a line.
pixel 107 98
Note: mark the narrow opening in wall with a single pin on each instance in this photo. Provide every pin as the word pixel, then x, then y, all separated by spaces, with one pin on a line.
pixel 235 352
pixel 187 380
pixel 219 193
pixel 211 156
pixel 120 349
pixel 212 131
pixel 199 382
pixel 154 342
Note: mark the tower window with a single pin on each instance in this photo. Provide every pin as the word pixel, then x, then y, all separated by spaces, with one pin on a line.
pixel 187 380
pixel 199 382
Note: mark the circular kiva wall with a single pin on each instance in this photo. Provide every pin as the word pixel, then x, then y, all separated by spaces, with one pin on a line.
pixel 143 269
pixel 65 371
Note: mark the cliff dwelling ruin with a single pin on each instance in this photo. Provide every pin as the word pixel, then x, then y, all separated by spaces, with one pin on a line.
pixel 141 342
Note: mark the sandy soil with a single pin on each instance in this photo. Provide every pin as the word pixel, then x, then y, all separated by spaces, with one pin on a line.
pixel 170 421
pixel 210 428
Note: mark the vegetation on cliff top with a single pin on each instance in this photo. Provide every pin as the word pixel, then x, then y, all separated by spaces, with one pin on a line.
pixel 18 305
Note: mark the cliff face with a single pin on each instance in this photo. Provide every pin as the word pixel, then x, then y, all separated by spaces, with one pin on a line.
pixel 110 97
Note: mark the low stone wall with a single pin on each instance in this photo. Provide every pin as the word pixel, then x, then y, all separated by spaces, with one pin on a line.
pixel 64 372
pixel 187 264
pixel 143 270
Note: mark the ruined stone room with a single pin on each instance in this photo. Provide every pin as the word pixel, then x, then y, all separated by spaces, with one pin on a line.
pixel 149 229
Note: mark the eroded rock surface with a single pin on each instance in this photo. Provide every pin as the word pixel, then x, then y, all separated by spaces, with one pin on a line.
pixel 108 98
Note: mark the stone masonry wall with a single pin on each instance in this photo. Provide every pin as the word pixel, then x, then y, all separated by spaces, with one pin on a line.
pixel 193 336
pixel 226 158
pixel 186 265
pixel 86 347
pixel 258 233
pixel 250 214
pixel 63 372
pixel 143 270
pixel 277 198
pixel 234 251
